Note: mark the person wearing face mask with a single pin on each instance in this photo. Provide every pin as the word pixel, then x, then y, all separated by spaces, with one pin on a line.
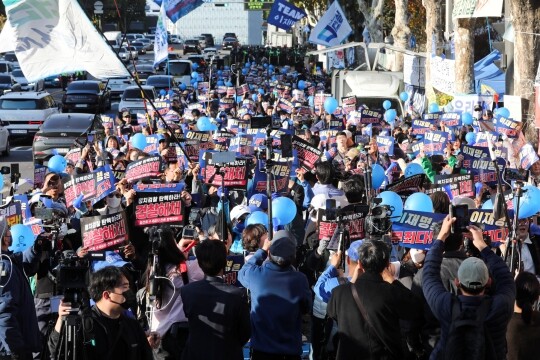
pixel 114 204
pixel 116 336
pixel 238 217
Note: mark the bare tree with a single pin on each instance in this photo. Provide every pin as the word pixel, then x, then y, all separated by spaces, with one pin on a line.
pixel 401 32
pixel 372 14
pixel 313 8
pixel 526 20
pixel 464 45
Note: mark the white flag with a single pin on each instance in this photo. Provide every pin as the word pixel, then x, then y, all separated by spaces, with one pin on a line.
pixel 332 28
pixel 51 37
pixel 160 44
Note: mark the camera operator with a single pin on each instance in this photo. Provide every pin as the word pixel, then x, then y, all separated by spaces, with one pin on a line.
pixel 116 336
pixel 167 316
pixel 19 333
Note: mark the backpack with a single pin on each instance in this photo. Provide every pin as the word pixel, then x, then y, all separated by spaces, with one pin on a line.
pixel 468 338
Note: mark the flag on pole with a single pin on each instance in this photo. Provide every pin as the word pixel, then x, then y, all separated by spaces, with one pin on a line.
pixel 176 9
pixel 332 28
pixel 160 44
pixel 51 37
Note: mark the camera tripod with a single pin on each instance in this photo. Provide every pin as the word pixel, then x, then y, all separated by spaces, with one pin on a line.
pixel 75 336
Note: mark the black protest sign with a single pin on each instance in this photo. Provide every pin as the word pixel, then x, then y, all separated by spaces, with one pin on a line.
pixel 104 231
pixel 354 218
pixel 235 174
pixel 233 266
pixel 413 183
pixel 307 154
pixel 140 169
pixel 153 208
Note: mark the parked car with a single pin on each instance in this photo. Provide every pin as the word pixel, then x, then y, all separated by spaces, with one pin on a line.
pixel 230 43
pixel 23 112
pixel 132 97
pixel 86 96
pixel 143 71
pixel 8 84
pixel 209 39
pixel 192 46
pixel 118 85
pixel 4 139
pixel 162 82
pixel 19 77
pixel 60 132
pixel 134 52
pixel 141 49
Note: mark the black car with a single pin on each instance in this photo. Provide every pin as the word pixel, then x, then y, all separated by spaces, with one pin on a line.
pixel 162 82
pixel 61 132
pixel 7 84
pixel 192 46
pixel 141 47
pixel 230 43
pixel 86 96
pixel 143 71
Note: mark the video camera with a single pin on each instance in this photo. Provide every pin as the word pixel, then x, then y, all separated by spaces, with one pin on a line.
pixel 194 219
pixel 72 275
pixel 378 221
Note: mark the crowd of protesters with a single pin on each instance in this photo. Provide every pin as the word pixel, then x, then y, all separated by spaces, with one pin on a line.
pixel 166 295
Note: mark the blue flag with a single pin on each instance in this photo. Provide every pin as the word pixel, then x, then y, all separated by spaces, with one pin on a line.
pixel 284 15
pixel 176 9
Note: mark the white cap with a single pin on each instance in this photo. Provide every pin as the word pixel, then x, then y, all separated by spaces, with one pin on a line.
pixel 238 211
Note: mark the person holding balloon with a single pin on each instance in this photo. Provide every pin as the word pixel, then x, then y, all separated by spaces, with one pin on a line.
pixel 18 321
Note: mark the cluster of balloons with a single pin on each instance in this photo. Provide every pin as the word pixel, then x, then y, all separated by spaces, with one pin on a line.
pixel 283 210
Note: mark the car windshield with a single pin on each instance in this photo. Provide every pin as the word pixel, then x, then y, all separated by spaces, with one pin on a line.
pixel 17 73
pixel 179 68
pixel 18 104
pixel 130 94
pixel 61 123
pixel 192 42
pixel 160 82
pixel 229 39
pixel 4 79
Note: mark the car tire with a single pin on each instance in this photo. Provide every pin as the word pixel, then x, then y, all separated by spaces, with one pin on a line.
pixel 7 150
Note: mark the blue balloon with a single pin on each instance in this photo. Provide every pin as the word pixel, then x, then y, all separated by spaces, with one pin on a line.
pixel 393 200
pixel 419 202
pixel 265 65
pixel 330 105
pixel 244 71
pixel 213 127
pixel 284 70
pixel 386 104
pixel 413 169
pixel 22 236
pixel 470 138
pixel 528 202
pixel 466 119
pixel 219 72
pixel 404 96
pixel 284 209
pixel 478 188
pixel 503 112
pixel 195 66
pixel 390 116
pixel 183 86
pixel 139 141
pixel 488 205
pixel 247 65
pixel 433 108
pixel 254 97
pixel 204 124
pixel 162 92
pixel 57 164
pixel 301 85
pixel 377 176
pixel 171 93
pixel 228 83
pixel 261 91
pixel 194 75
pixel 220 83
pixel 258 217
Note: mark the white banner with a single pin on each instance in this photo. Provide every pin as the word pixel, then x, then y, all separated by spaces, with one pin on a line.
pixel 466 103
pixel 51 37
pixel 477 8
pixel 414 70
pixel 160 43
pixel 332 28
pixel 443 74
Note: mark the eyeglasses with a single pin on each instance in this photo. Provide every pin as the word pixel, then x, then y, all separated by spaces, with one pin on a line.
pixel 115 194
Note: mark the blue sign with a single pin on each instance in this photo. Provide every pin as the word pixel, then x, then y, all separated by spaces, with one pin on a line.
pixel 284 15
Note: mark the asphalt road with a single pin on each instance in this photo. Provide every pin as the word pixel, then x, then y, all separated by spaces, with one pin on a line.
pixel 21 150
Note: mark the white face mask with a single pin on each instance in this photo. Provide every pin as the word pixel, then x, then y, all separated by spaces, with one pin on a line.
pixel 113 202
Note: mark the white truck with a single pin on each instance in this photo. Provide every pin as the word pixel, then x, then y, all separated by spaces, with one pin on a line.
pixel 114 38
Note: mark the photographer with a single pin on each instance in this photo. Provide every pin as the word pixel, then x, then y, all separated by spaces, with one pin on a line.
pixel 115 335
pixel 167 317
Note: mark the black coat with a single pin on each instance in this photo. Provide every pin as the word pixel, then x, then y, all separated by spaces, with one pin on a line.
pixel 385 305
pixel 218 316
